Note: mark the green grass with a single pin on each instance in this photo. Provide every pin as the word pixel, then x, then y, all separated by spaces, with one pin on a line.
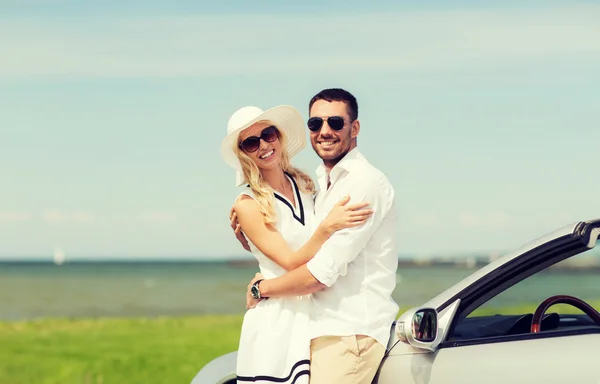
pixel 124 351
pixel 160 350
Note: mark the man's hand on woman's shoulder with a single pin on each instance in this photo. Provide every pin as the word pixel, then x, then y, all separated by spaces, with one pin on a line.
pixel 237 229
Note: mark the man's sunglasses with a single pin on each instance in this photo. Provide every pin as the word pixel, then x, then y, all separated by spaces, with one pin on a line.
pixel 252 143
pixel 335 122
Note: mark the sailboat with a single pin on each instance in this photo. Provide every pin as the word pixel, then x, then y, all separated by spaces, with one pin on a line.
pixel 59 256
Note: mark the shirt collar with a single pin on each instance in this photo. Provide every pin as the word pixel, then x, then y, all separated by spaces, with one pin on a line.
pixel 345 164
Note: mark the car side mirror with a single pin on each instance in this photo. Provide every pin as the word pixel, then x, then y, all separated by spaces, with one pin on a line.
pixel 419 328
pixel 424 325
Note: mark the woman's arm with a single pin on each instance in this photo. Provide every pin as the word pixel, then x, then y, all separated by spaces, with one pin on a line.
pixel 270 242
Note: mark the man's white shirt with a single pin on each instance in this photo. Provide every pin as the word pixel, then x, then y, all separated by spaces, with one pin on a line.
pixel 358 265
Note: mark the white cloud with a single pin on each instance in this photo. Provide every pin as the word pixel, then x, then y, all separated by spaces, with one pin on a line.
pixel 83 217
pixel 491 220
pixel 426 221
pixel 468 220
pixel 54 216
pixel 13 217
pixel 498 220
pixel 229 44
pixel 57 216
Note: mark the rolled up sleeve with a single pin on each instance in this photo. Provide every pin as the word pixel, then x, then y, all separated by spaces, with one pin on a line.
pixel 345 245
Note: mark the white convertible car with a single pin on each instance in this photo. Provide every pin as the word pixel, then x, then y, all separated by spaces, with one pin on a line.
pixel 455 337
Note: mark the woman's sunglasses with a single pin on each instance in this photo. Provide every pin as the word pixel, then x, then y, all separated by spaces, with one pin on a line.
pixel 335 122
pixel 252 143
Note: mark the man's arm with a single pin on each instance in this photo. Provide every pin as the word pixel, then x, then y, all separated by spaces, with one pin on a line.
pixel 296 282
pixel 332 260
pixel 343 247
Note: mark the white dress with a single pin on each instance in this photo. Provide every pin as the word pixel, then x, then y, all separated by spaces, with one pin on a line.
pixel 275 342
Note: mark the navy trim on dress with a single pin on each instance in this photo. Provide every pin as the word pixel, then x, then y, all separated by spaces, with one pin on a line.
pixel 279 379
pixel 298 198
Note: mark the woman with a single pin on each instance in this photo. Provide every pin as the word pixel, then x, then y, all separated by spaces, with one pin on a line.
pixel 275 212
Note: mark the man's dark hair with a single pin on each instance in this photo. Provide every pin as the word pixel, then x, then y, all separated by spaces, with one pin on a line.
pixel 338 94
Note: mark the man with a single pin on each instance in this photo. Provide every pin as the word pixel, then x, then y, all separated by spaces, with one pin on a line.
pixel 353 275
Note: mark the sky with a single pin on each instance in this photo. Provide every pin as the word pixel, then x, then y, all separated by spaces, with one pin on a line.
pixel 484 116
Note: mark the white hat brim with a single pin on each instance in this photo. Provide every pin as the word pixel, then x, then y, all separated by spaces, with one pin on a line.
pixel 286 118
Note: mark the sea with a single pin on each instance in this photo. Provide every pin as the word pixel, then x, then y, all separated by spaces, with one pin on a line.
pixel 33 290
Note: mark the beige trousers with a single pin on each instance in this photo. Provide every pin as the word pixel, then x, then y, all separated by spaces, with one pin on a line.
pixel 344 359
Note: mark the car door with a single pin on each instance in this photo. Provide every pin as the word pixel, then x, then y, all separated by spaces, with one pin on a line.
pixel 556 359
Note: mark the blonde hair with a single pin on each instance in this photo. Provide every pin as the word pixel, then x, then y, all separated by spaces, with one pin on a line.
pixel 263 192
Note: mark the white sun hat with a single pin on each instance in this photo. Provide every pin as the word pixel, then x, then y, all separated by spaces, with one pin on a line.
pixel 286 118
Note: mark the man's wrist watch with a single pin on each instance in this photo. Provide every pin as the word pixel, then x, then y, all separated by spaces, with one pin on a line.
pixel 255 290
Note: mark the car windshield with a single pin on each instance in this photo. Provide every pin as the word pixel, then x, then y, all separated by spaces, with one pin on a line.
pixel 510 312
pixel 577 276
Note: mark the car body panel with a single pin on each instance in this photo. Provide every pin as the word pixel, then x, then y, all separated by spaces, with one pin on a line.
pixel 218 371
pixel 562 359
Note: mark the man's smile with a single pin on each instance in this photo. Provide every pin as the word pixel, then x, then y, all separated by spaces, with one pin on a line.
pixel 328 143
